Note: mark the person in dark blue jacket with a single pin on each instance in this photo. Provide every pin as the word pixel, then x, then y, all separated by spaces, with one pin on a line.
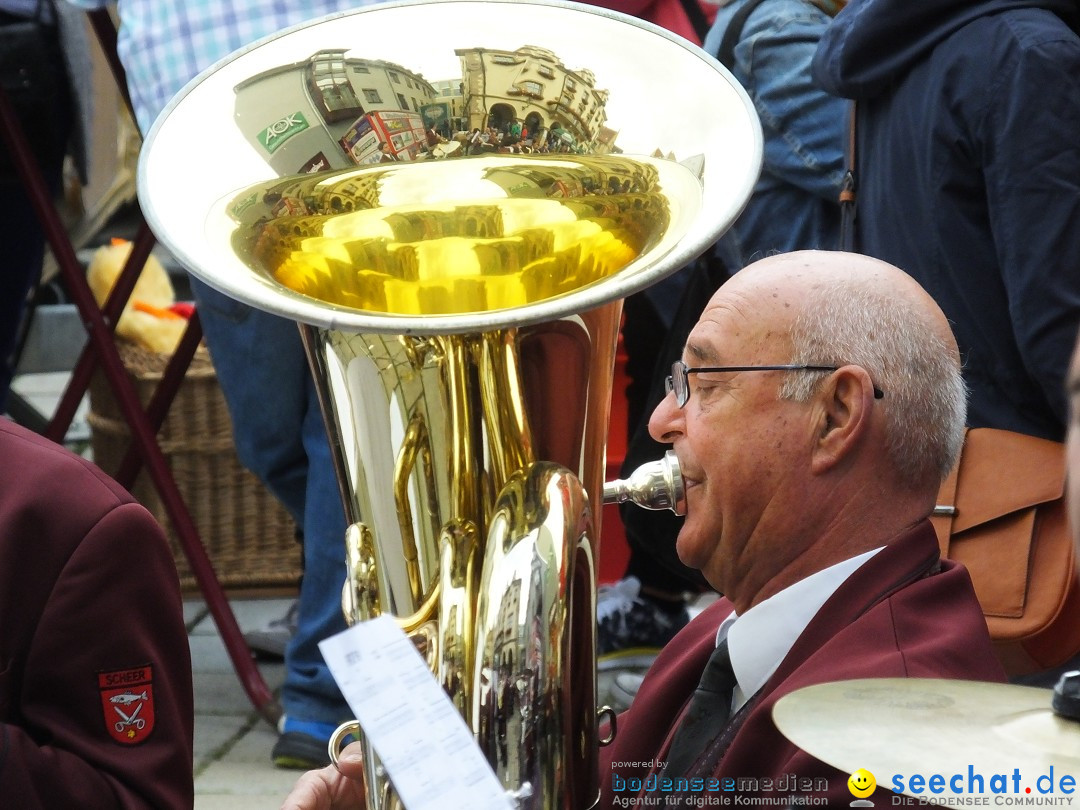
pixel 968 173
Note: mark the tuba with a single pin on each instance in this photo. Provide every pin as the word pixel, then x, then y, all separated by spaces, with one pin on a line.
pixel 452 199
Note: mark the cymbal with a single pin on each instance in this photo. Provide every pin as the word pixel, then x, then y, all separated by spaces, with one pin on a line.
pixel 899 727
pixel 446 149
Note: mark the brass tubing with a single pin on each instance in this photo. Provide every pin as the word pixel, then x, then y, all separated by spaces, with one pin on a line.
pixel 459 546
pixel 464 453
pixel 414 446
pixel 360 593
pixel 504 404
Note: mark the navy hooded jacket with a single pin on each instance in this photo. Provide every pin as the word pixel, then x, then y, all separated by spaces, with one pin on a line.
pixel 968 172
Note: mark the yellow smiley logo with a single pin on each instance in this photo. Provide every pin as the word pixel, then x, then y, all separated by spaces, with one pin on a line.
pixel 861 783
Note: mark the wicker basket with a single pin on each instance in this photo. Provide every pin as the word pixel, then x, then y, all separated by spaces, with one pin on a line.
pixel 248 535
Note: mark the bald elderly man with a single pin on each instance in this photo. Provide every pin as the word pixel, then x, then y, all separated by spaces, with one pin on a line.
pixel 815 411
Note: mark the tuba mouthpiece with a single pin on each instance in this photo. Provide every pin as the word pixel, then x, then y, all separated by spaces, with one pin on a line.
pixel 655 485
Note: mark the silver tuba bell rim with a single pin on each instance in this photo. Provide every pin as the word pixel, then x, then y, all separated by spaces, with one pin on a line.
pixel 725 189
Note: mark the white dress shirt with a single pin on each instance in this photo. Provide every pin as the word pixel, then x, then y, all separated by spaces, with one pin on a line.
pixel 760 639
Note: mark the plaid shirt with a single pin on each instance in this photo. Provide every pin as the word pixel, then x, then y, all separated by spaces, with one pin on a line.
pixel 163 44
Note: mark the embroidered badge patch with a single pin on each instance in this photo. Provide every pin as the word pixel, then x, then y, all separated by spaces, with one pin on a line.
pixel 127 700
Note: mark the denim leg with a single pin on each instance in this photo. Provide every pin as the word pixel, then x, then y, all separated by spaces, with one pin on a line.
pixel 264 376
pixel 310 692
pixel 280 436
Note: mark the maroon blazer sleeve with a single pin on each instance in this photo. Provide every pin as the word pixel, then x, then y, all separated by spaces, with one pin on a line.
pixel 92 641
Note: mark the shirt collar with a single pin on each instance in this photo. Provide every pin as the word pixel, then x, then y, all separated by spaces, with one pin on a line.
pixel 761 638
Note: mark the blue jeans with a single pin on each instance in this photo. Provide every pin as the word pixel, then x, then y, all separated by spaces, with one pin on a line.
pixel 279 435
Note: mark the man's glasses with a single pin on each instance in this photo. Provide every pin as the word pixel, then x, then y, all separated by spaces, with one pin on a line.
pixel 679 381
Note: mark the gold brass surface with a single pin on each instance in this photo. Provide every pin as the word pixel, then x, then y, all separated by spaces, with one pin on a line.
pixel 536 226
pixel 541 523
pixel 452 198
pixel 503 575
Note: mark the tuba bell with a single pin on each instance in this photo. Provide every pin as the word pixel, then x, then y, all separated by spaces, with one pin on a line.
pixel 452 198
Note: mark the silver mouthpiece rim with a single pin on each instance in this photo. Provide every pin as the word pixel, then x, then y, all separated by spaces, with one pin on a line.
pixel 654 485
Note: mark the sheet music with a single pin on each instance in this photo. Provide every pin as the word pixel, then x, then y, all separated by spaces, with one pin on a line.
pixel 425 746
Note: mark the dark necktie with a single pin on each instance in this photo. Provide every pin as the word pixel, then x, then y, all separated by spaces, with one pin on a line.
pixel 706 716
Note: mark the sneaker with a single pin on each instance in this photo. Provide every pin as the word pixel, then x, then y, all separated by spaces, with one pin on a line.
pixel 624 689
pixel 631 628
pixel 269 641
pixel 302 745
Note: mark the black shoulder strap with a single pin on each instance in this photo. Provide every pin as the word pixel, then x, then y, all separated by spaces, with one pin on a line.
pixel 726 53
pixel 696 17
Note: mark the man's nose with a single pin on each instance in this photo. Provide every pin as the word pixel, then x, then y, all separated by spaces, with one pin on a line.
pixel 666 420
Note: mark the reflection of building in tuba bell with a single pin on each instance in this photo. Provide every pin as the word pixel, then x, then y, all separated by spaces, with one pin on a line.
pixel 457 262
pixel 561 108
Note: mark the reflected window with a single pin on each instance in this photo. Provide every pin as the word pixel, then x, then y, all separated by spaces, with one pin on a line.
pixel 402 103
pixel 570 84
pixel 360 69
pixel 499 59
pixel 546 72
pixel 372 97
pixel 330 88
pixel 533 88
pixel 394 77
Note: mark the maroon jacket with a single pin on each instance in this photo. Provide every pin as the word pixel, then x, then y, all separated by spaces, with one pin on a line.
pixel 95 670
pixel 902 614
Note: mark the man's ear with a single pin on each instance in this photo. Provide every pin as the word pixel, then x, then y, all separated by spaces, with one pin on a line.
pixel 846 401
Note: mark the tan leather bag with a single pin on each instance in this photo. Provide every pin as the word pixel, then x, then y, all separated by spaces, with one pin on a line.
pixel 1006 521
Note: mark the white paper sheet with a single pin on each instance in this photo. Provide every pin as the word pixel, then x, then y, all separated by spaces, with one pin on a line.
pixel 425 746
